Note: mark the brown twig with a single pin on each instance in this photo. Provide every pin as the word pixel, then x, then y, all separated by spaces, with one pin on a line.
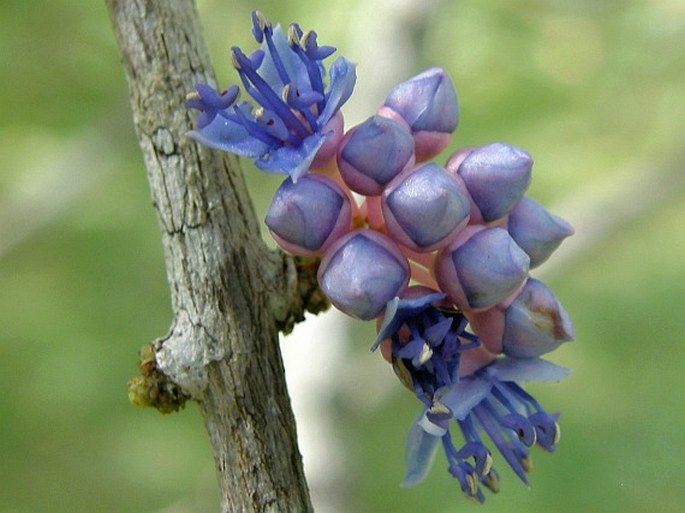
pixel 229 293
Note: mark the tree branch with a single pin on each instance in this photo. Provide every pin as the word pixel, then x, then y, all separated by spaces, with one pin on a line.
pixel 229 293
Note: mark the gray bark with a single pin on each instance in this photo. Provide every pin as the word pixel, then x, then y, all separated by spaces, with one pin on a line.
pixel 229 293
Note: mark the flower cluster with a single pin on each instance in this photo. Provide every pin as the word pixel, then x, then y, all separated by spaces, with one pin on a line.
pixel 438 254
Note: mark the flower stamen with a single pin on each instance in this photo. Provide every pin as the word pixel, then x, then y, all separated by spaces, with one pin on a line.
pixel 249 74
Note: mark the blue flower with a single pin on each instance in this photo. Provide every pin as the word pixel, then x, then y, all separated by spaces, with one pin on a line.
pixel 488 404
pixel 427 339
pixel 398 311
pixel 296 113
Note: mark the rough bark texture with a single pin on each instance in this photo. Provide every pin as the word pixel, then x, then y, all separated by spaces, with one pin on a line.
pixel 229 293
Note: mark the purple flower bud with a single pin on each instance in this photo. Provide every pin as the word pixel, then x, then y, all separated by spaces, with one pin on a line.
pixel 361 272
pixel 428 104
pixel 455 160
pixel 537 231
pixel 306 217
pixel 481 267
pixel 373 153
pixel 425 208
pixel 535 323
pixel 496 176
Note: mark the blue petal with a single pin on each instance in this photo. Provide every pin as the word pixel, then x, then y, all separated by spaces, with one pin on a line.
pixel 291 62
pixel 312 48
pixel 224 134
pixel 526 369
pixel 411 349
pixel 436 333
pixel 342 79
pixel 293 161
pixel 419 455
pixel 399 310
pixel 461 397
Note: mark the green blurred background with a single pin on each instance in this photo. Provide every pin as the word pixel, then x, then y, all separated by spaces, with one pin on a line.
pixel 594 90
